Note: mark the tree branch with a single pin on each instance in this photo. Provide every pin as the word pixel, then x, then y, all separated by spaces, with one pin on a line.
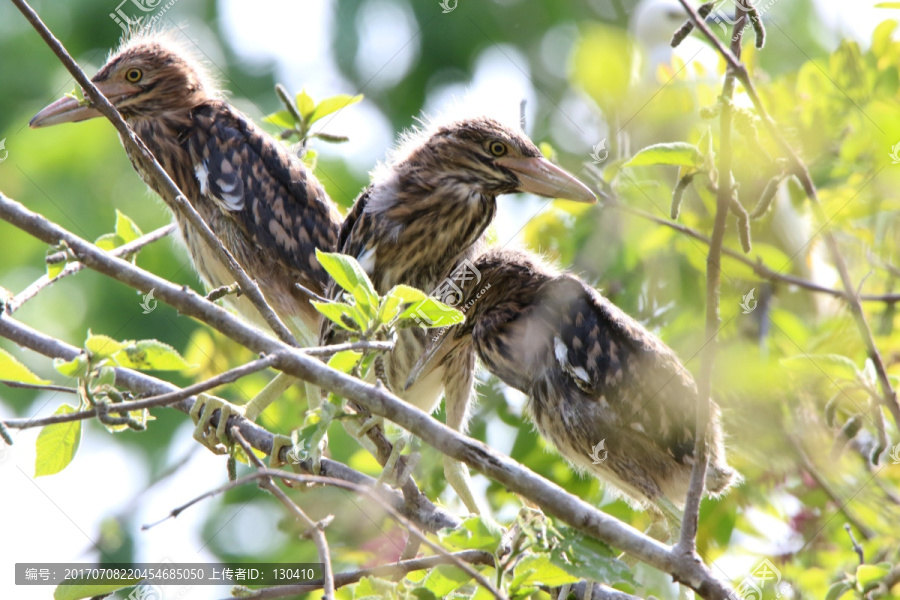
pixel 889 398
pixel 123 251
pixel 553 499
pixel 140 155
pixel 428 516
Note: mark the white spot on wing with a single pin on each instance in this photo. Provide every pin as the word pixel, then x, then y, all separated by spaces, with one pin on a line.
pixel 366 260
pixel 202 175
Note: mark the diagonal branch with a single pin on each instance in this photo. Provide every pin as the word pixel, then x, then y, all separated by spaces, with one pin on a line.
pixel 553 499
pixel 141 156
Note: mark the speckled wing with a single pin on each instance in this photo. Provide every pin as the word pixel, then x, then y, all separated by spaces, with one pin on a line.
pixel 268 192
pixel 609 355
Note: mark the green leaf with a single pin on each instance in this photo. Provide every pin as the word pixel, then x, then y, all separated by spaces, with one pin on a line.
pixel 475 533
pixel 126 228
pixel 867 574
pixel 348 274
pixel 345 360
pixel 397 296
pixel 432 313
pixel 373 587
pixel 333 105
pixel 837 590
pixel 54 269
pixel 584 557
pixel 109 241
pixel 89 590
pixel 340 313
pixel 305 105
pixel 150 355
pixel 888 5
pixel 12 370
pixel 835 365
pixel 283 119
pixel 444 579
pixel 57 444
pixel 676 153
pixel 103 346
pixel 538 569
pixel 77 367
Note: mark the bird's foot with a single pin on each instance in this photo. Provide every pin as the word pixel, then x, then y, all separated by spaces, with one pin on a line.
pixel 215 438
pixel 396 468
pixel 457 475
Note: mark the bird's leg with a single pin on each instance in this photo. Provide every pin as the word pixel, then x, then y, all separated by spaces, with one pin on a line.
pixel 457 391
pixel 216 439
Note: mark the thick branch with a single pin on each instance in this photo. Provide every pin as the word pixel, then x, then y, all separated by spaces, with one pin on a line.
pixel 426 514
pixel 139 154
pixel 553 499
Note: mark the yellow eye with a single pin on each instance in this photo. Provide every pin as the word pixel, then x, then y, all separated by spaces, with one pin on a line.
pixel 133 75
pixel 497 148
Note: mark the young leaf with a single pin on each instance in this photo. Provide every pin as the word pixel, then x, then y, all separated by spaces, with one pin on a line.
pixel 102 346
pixel 109 241
pixel 339 312
pixel 345 360
pixel 77 591
pixel 150 355
pixel 348 274
pixel 12 370
pixel 332 105
pixel 283 119
pixel 54 269
pixel 475 533
pixel 676 153
pixel 585 558
pixel 126 228
pixel 538 569
pixel 444 579
pixel 57 444
pixel 397 296
pixel 432 313
pixel 77 367
pixel 305 105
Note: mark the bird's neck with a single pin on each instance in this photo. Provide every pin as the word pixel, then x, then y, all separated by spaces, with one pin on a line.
pixel 436 222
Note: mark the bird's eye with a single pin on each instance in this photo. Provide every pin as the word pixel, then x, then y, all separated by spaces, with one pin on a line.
pixel 497 148
pixel 133 75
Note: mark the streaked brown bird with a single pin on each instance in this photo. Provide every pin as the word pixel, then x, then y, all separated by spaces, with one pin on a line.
pixel 260 200
pixel 610 395
pixel 423 215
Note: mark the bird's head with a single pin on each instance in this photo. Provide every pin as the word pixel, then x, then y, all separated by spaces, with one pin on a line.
pixel 483 156
pixel 148 76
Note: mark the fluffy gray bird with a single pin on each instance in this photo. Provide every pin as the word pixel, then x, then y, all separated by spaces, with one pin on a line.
pixel 421 218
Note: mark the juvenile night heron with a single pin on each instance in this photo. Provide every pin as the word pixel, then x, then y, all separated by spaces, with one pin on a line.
pixel 422 217
pixel 610 395
pixel 262 202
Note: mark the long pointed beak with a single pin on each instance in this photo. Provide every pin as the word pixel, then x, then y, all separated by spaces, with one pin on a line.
pixel 69 110
pixel 425 363
pixel 540 176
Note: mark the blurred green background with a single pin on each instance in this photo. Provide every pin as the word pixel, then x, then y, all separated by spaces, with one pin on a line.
pixel 791 377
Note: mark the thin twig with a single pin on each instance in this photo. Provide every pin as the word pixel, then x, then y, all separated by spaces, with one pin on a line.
pixel 687 543
pixel 154 401
pixel 397 569
pixel 425 514
pixel 800 170
pixel 38 386
pixel 758 266
pixel 313 529
pixel 373 494
pixel 139 153
pixel 123 251
pixel 554 500
pixel 856 547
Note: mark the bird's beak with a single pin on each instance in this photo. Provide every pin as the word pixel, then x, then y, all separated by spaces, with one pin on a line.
pixel 540 176
pixel 70 110
pixel 435 350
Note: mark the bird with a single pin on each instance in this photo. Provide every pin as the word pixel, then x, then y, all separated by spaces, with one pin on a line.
pixel 260 200
pixel 612 398
pixel 421 221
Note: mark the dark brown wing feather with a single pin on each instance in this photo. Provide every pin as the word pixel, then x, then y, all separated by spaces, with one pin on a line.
pixel 269 194
pixel 609 354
